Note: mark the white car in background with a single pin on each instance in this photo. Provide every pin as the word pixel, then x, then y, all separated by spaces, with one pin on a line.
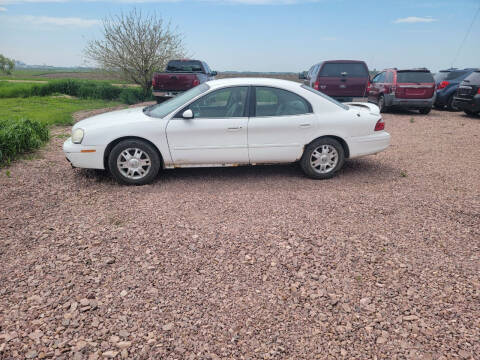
pixel 228 122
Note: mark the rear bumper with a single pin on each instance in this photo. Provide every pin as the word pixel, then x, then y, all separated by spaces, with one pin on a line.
pixel 368 145
pixel 89 157
pixel 391 100
pixel 166 93
pixel 472 104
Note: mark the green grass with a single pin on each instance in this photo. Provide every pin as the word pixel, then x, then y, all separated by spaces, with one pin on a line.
pixel 62 73
pixel 48 110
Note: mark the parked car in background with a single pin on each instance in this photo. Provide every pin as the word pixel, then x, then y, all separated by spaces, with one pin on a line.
pixel 447 82
pixel 467 97
pixel 180 76
pixel 408 89
pixel 343 80
pixel 229 122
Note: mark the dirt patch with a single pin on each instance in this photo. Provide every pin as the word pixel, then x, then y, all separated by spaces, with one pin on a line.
pixel 382 261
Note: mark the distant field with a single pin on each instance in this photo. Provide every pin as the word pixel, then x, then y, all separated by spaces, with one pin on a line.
pixel 285 76
pixel 49 74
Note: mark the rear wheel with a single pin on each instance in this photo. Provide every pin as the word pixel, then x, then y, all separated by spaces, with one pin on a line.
pixel 322 158
pixel 425 110
pixel 468 112
pixel 134 162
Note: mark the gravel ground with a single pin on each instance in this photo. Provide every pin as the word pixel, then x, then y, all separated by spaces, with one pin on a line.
pixel 381 262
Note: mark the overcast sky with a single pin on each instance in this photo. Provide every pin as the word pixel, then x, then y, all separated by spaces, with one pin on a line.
pixel 259 35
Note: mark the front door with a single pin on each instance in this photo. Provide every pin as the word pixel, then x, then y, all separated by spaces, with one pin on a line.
pixel 217 134
pixel 280 126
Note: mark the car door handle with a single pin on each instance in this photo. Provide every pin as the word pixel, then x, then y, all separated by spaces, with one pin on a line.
pixel 236 128
pixel 305 125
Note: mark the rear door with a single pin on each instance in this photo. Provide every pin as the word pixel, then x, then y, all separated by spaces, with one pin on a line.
pixel 414 84
pixel 280 125
pixel 344 79
pixel 217 135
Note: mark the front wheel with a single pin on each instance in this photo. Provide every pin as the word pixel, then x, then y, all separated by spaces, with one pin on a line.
pixel 451 104
pixel 134 162
pixel 381 104
pixel 322 158
pixel 425 111
pixel 471 113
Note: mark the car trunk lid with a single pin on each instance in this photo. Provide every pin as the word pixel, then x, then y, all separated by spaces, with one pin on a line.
pixel 413 84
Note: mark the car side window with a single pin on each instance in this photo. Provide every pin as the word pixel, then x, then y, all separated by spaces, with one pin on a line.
pixel 278 102
pixel 223 103
pixel 379 78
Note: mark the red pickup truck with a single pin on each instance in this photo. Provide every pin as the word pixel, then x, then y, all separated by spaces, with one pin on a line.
pixel 180 76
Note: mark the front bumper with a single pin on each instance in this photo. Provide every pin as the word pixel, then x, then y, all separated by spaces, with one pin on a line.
pixel 83 156
pixel 472 104
pixel 369 145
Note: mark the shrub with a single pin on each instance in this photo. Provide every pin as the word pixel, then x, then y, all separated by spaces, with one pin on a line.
pixel 20 135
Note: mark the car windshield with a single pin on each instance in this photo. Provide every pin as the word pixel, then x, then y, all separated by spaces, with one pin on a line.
pixel 165 108
pixel 343 106
pixel 184 66
pixel 414 77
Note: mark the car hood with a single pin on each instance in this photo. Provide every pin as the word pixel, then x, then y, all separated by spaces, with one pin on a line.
pixel 113 118
pixel 364 106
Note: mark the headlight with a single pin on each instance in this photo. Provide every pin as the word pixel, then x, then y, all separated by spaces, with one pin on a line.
pixel 77 136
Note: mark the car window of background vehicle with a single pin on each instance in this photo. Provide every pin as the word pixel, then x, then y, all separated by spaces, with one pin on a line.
pixel 336 70
pixel 343 106
pixel 414 77
pixel 163 109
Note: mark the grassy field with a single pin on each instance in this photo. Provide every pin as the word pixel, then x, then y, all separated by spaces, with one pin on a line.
pixel 49 74
pixel 47 109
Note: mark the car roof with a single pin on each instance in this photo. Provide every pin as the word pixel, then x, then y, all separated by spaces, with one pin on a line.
pixel 287 84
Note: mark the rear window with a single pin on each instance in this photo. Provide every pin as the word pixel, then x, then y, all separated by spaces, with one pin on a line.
pixel 473 78
pixel 414 77
pixel 351 70
pixel 440 76
pixel 456 74
pixel 184 66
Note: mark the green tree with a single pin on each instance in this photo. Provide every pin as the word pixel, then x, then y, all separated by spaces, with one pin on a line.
pixel 6 65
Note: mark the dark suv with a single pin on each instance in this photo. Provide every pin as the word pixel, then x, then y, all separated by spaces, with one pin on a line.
pixel 408 89
pixel 447 84
pixel 343 80
pixel 467 97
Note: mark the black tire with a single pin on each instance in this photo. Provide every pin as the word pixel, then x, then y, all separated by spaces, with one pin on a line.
pixel 425 111
pixel 439 107
pixel 160 99
pixel 381 104
pixel 306 163
pixel 150 153
pixel 471 113
pixel 450 104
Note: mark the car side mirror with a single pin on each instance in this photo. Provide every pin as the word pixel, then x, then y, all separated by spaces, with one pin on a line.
pixel 302 76
pixel 187 114
pixel 214 73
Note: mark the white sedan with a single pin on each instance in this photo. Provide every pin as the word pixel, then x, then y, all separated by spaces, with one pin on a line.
pixel 229 122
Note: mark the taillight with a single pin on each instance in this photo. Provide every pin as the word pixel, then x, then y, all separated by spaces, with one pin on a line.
pixel 394 89
pixel 442 85
pixel 478 91
pixel 316 86
pixel 154 83
pixel 196 82
pixel 380 125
